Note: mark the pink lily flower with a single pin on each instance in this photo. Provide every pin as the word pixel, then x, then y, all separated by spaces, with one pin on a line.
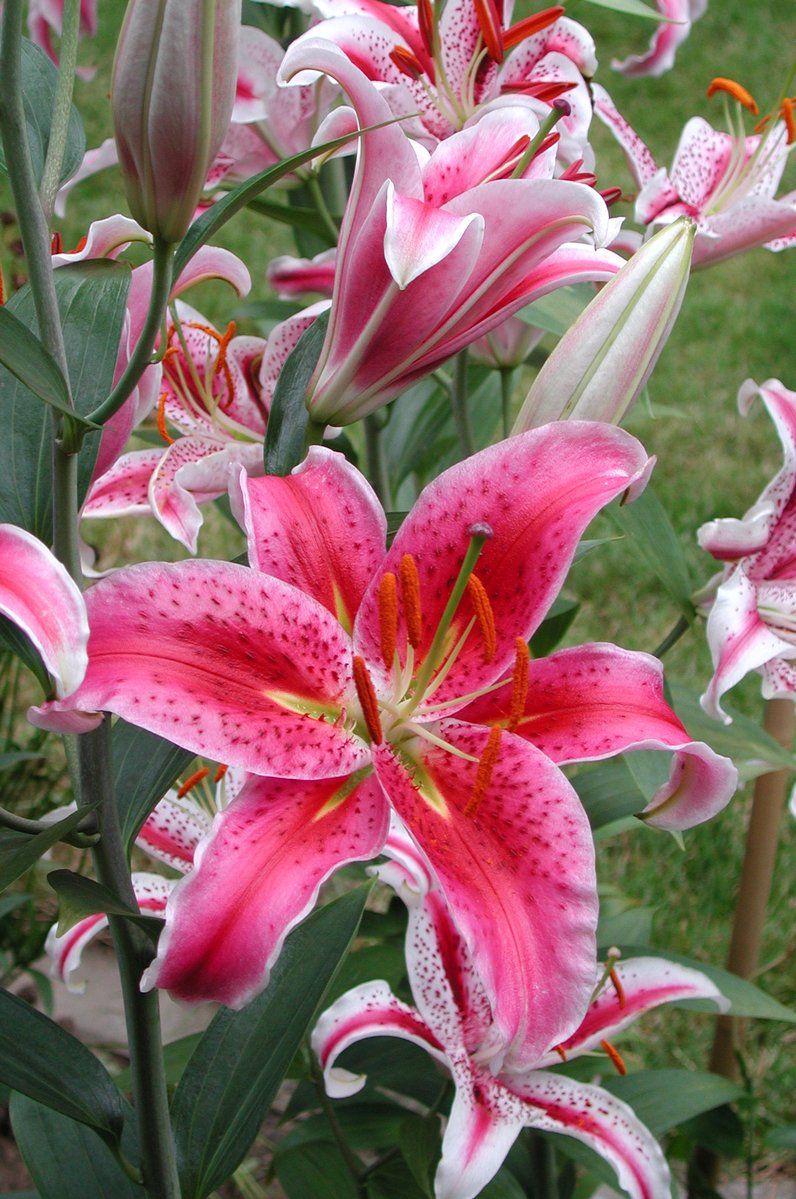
pixel 447 68
pixel 216 394
pixel 666 40
pixel 290 277
pixel 39 596
pixel 494 1102
pixel 752 620
pixel 337 673
pixel 428 260
pixel 726 182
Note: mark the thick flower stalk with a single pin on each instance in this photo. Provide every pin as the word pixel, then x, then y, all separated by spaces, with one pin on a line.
pixel 345 676
pixel 172 92
pixel 726 182
pixel 432 257
pixel 666 40
pixel 752 618
pixel 493 1103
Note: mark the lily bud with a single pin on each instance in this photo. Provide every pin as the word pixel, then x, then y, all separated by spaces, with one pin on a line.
pixel 172 92
pixel 601 364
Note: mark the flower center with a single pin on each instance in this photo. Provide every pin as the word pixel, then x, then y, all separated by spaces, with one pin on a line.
pixel 203 387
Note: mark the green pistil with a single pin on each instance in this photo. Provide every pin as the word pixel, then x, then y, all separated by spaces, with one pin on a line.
pixel 546 126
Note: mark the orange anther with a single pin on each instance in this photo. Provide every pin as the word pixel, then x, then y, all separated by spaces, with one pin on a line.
pixel 736 90
pixel 161 419
pixel 81 245
pixel 561 1051
pixel 483 775
pixel 367 700
pixel 425 23
pixel 221 361
pixel 620 990
pixel 787 113
pixel 388 617
pixel 531 25
pixel 56 243
pixel 484 615
pixel 491 27
pixel 410 593
pixel 220 772
pixel 406 62
pixel 615 1056
pixel 519 684
pixel 191 782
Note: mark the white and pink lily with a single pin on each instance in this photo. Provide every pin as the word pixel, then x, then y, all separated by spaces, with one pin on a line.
pixel 444 68
pixel 752 620
pixel 46 18
pixel 39 596
pixel 726 182
pixel 451 1020
pixel 432 257
pixel 666 40
pixel 216 394
pixel 339 674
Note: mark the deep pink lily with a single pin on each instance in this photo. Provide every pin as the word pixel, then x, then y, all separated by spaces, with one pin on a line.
pixel 216 395
pixel 431 258
pixel 666 40
pixel 726 182
pixel 446 68
pixel 451 1019
pixel 752 620
pixel 338 672
pixel 38 595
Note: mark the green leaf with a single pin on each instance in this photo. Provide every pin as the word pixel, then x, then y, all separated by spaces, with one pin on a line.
pixel 317 1169
pixel 144 767
pixel 393 1180
pixel 91 298
pixel 66 1160
pixel 39 80
pixel 233 1075
pixel 634 8
pixel 419 1139
pixel 751 748
pixel 645 521
pixel 365 1124
pixel 503 1186
pixel 783 1137
pixel 79 897
pixel 289 416
pixel 23 354
pixel 43 1061
pixel 9 761
pixel 20 851
pixel 608 792
pixel 306 219
pixel 556 312
pixel 17 643
pixel 664 1098
pixel 554 626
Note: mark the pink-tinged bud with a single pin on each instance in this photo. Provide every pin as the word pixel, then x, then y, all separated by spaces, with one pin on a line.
pixel 602 362
pixel 172 93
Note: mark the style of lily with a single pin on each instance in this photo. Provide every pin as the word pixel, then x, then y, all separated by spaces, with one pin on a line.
pixel 726 182
pixel 451 1019
pixel 432 257
pixel 215 398
pixel 666 40
pixel 752 619
pixel 338 673
pixel 39 596
pixel 446 62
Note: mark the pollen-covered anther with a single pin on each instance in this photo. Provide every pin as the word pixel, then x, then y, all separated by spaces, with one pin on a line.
pixel 161 419
pixel 406 62
pixel 484 615
pixel 222 363
pixel 620 990
pixel 192 781
pixel 483 775
pixel 736 90
pixel 220 772
pixel 519 683
pixel 367 700
pixel 531 26
pixel 789 117
pixel 425 23
pixel 410 594
pixel 388 617
pixel 615 1056
pixel 561 1051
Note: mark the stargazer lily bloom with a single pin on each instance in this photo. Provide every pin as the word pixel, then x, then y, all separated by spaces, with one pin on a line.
pixel 427 261
pixel 752 620
pixel 726 182
pixel 666 40
pixel 39 596
pixel 337 672
pixel 216 395
pixel 438 65
pixel 451 1020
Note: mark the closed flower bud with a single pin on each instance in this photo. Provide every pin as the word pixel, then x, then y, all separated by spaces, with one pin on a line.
pixel 172 93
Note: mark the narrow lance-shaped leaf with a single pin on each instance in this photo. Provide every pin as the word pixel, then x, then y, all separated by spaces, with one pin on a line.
pixel 39 81
pixel 144 767
pixel 289 417
pixel 20 851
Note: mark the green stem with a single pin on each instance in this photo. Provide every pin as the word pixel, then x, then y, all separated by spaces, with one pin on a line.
pixel 62 108
pixel 162 273
pixel 506 388
pixel 353 1164
pixel 20 824
pixel 316 191
pixel 378 474
pixel 461 413
pixel 672 637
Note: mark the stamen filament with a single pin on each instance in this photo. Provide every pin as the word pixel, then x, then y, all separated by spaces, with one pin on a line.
pixel 484 615
pixel 410 593
pixel 615 1056
pixel 486 765
pixel 388 617
pixel 367 700
pixel 519 684
pixel 192 781
pixel 420 730
pixel 444 671
pixel 462 699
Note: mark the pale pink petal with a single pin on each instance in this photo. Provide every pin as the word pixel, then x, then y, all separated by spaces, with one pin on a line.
pixel 259 57
pixel 321 528
pixel 123 490
pixel 103 156
pixel 750 222
pixel 700 161
pixel 516 867
pixel 173 830
pixel 257 876
pixel 639 157
pixel 232 664
pixel 536 493
pixel 105 239
pixel 666 39
pixel 419 236
pixel 484 1122
pixel 290 276
pixel 38 595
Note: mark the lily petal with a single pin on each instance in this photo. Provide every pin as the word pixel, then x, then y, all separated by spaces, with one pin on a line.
pixel 173 830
